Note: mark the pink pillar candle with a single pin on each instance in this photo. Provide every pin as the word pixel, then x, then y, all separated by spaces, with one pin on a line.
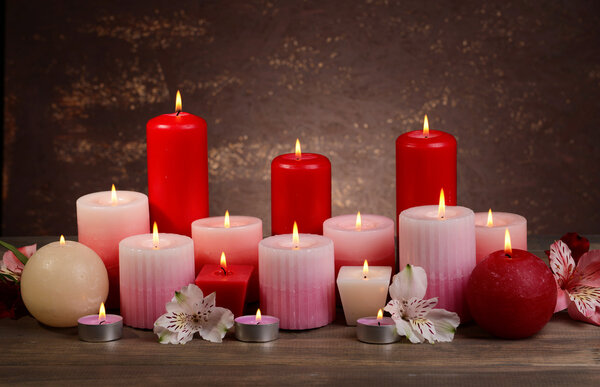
pixel 490 235
pixel 150 276
pixel 444 247
pixel 106 218
pixel 239 241
pixel 297 282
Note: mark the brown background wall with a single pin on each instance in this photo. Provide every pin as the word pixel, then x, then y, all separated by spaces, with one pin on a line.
pixel 518 84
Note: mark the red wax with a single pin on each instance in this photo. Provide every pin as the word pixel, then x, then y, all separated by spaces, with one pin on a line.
pixel 230 287
pixel 425 165
pixel 177 171
pixel 300 192
pixel 512 298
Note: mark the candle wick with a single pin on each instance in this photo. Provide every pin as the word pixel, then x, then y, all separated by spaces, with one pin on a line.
pixel 508 256
pixel 101 322
pixel 364 277
pixel 258 323
pixel 378 323
pixel 224 271
pixel 178 111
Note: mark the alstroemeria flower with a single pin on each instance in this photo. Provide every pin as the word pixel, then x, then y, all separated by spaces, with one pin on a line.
pixel 415 317
pixel 11 267
pixel 578 285
pixel 190 312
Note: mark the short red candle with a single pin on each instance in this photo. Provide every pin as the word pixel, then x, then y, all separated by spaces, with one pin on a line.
pixel 231 287
pixel 177 171
pixel 425 163
pixel 511 297
pixel 300 192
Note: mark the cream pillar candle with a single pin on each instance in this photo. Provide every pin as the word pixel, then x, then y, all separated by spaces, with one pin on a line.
pixel 363 290
pixel 106 218
pixel 490 228
pixel 297 283
pixel 152 268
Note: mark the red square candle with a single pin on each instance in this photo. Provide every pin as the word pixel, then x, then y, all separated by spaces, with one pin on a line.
pixel 230 283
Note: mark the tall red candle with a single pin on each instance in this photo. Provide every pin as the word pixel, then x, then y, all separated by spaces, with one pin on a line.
pixel 300 192
pixel 177 170
pixel 425 163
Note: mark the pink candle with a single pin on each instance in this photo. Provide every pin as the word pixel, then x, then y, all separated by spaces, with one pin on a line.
pixel 152 268
pixel 237 236
pixel 297 282
pixel 103 220
pixel 490 228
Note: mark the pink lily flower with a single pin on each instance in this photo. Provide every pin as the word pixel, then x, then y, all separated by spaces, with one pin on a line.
pixel 11 261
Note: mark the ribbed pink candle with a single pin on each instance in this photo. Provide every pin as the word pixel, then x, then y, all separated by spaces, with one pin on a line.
pixel 444 247
pixel 150 276
pixel 297 285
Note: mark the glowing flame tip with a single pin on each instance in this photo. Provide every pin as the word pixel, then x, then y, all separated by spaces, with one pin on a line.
pixel 365 269
pixel 102 313
pixel 380 314
pixel 295 236
pixel 62 240
pixel 178 104
pixel 507 244
pixel 425 127
pixel 258 317
pixel 226 223
pixel 155 239
pixel 358 221
pixel 223 262
pixel 298 150
pixel 442 205
pixel 490 221
pixel 113 195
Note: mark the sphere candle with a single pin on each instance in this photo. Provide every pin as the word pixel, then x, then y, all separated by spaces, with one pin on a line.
pixel 489 232
pixel 300 192
pixel 425 163
pixel 177 169
pixel 106 218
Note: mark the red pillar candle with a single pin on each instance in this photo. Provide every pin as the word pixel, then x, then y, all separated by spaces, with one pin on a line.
pixel 425 163
pixel 229 282
pixel 177 170
pixel 300 192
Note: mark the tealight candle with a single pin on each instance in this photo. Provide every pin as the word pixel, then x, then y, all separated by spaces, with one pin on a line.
pixel 258 328
pixel 489 232
pixel 100 327
pixel 377 330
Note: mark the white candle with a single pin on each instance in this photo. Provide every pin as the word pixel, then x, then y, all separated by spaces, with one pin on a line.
pixel 444 247
pixel 490 228
pixel 363 290
pixel 297 282
pixel 151 273
pixel 106 218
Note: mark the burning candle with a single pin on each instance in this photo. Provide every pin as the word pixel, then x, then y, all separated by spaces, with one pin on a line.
pixel 258 328
pixel 300 192
pixel 230 282
pixel 152 267
pixel 441 240
pixel 177 169
pixel 106 218
pixel 489 232
pixel 377 330
pixel 425 163
pixel 297 282
pixel 363 290
pixel 100 327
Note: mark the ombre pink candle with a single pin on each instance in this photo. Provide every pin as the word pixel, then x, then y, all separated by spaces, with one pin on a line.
pixel 152 268
pixel 490 228
pixel 297 282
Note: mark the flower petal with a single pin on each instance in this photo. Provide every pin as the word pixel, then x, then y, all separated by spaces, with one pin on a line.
pixel 586 298
pixel 174 328
pixel 575 314
pixel 562 300
pixel 165 336
pixel 445 324
pixel 395 308
pixel 219 322
pixel 28 250
pixel 588 269
pixel 12 263
pixel 561 262
pixel 417 308
pixel 404 328
pixel 423 328
pixel 410 282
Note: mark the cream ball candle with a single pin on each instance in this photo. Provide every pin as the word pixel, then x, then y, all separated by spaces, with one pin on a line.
pixel 106 218
pixel 489 232
pixel 62 282
pixel 297 282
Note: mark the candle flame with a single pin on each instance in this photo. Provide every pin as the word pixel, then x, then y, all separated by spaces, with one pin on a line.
pixel 258 317
pixel 442 205
pixel 490 221
pixel 365 269
pixel 358 221
pixel 507 245
pixel 226 223
pixel 223 262
pixel 380 315
pixel 298 150
pixel 295 237
pixel 178 105
pixel 102 313
pixel 155 240
pixel 425 127
pixel 113 196
pixel 62 240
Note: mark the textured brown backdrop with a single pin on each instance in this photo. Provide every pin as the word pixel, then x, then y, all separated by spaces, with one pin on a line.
pixel 518 84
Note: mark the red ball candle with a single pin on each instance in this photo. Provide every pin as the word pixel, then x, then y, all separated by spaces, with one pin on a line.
pixel 177 170
pixel 300 192
pixel 425 163
pixel 512 293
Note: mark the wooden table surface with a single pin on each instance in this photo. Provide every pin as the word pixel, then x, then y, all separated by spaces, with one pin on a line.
pixel 565 352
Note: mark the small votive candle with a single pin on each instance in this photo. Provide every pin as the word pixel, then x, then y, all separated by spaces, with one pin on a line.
pixel 100 327
pixel 377 330
pixel 257 329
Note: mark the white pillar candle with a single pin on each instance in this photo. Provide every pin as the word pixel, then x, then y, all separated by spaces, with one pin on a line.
pixel 150 275
pixel 355 238
pixel 297 282
pixel 444 247
pixel 490 228
pixel 363 290
pixel 106 218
